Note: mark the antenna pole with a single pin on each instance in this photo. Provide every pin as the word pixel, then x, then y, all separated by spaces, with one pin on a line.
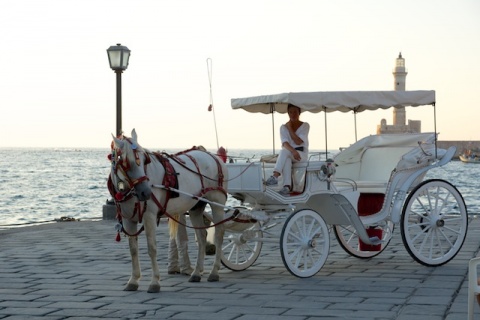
pixel 211 108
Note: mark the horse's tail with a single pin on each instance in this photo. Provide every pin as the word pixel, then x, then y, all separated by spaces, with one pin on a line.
pixel 173 225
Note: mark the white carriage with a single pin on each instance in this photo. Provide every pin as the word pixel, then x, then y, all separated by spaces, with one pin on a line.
pixel 366 190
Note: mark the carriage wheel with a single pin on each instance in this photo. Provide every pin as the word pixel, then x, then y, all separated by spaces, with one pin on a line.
pixel 348 238
pixel 241 248
pixel 434 222
pixel 304 243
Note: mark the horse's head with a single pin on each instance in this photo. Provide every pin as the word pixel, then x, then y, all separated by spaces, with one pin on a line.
pixel 128 174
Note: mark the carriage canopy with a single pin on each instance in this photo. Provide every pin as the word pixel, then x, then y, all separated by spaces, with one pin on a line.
pixel 330 101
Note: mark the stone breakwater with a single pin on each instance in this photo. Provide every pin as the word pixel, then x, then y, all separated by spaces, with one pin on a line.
pixel 461 145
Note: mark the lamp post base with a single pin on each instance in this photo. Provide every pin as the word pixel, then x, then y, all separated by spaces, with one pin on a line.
pixel 109 210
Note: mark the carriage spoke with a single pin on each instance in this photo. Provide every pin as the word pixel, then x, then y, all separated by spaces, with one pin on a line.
pixel 422 208
pixel 315 234
pixel 422 232
pixel 353 234
pixel 438 232
pixel 229 244
pixel 452 218
pixel 457 232
pixel 243 252
pixel 296 237
pixel 447 239
pixel 432 237
pixel 310 257
pixel 425 239
pixel 297 255
pixel 235 253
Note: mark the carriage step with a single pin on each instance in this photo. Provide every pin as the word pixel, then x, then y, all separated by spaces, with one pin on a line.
pixel 349 211
pixel 375 241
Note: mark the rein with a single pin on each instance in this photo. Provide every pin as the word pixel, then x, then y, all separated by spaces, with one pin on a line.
pixel 136 210
pixel 181 163
pixel 232 217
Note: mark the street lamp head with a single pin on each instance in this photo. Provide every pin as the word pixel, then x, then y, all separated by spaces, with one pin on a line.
pixel 118 57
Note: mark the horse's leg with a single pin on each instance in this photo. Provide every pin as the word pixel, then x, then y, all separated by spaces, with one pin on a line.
pixel 218 215
pixel 150 229
pixel 173 267
pixel 196 217
pixel 131 228
pixel 182 246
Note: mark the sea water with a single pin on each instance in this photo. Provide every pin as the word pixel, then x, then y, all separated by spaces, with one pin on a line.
pixel 44 185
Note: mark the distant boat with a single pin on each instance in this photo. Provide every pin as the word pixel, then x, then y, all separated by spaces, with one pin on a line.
pixel 470 156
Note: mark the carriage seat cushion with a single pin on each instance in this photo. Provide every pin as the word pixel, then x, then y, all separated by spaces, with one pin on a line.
pixel 372 173
pixel 378 163
pixel 269 158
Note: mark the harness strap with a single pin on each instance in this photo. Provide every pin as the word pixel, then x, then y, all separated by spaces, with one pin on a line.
pixel 170 176
pixel 198 171
pixel 232 217
pixel 136 210
pixel 202 177
pixel 118 197
pixel 170 180
pixel 219 168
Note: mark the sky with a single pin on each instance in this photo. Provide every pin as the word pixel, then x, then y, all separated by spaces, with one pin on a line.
pixel 57 89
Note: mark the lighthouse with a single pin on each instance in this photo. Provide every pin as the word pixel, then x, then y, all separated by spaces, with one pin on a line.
pixel 399 77
pixel 399 114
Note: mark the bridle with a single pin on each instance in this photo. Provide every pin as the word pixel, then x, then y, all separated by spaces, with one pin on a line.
pixel 119 189
pixel 125 185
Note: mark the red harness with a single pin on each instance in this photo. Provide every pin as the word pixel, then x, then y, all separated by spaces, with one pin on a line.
pixel 170 178
pixel 169 181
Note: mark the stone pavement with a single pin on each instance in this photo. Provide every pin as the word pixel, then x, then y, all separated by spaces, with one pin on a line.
pixel 75 270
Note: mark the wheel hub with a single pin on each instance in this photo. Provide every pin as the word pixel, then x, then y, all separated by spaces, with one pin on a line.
pixel 440 223
pixel 312 243
pixel 237 239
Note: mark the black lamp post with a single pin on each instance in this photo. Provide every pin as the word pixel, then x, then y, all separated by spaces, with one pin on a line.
pixel 118 57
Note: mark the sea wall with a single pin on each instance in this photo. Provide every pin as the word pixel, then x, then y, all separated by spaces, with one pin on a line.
pixel 461 145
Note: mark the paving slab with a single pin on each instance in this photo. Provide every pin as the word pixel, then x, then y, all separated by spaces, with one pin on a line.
pixel 76 270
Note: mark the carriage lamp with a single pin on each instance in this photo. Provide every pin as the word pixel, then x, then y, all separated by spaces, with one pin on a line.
pixel 118 57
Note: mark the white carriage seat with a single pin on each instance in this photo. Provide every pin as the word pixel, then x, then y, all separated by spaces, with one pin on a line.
pixel 298 172
pixel 269 158
pixel 372 173
pixel 375 160
pixel 420 157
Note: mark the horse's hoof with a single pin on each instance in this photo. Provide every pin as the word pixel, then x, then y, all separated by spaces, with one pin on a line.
pixel 154 288
pixel 210 249
pixel 213 278
pixel 195 278
pixel 131 287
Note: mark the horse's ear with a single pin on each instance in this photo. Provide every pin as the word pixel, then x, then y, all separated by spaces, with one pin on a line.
pixel 134 135
pixel 119 143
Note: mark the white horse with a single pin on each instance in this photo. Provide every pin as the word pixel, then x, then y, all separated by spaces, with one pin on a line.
pixel 149 177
